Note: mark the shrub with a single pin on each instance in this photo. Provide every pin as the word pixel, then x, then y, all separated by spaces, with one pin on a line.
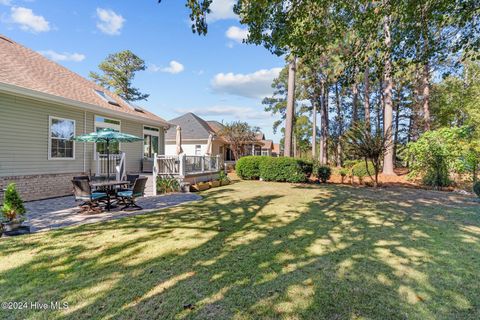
pixel 435 154
pixel 360 170
pixel 307 167
pixel 350 163
pixel 166 185
pixel 476 188
pixel 343 173
pixel 283 169
pixel 248 168
pixel 224 179
pixel 323 173
pixel 12 208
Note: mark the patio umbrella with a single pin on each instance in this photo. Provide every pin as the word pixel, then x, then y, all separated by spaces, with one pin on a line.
pixel 209 145
pixel 178 140
pixel 107 136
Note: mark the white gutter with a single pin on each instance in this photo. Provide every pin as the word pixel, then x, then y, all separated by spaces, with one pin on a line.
pixel 12 89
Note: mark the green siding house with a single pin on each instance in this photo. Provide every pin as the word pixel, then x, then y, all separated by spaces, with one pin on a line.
pixel 42 105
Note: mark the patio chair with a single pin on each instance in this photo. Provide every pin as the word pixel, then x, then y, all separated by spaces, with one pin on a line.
pixel 128 196
pixel 83 192
pixel 82 178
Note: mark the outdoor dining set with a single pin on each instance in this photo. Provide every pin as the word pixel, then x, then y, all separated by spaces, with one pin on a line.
pixel 99 193
pixel 102 192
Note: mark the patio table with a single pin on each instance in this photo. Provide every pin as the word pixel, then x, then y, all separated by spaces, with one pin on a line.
pixel 109 185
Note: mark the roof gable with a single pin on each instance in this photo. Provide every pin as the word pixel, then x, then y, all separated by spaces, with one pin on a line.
pixel 25 68
pixel 193 127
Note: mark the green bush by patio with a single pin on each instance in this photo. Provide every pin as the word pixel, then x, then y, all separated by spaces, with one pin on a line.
pixel 248 168
pixel 284 169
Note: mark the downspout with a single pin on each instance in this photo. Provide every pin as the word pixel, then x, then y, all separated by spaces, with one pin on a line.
pixel 84 144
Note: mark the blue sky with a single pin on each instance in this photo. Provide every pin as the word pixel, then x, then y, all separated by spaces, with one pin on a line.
pixel 215 76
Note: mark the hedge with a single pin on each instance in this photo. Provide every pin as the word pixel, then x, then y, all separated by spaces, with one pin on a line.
pixel 248 168
pixel 285 170
pixel 360 169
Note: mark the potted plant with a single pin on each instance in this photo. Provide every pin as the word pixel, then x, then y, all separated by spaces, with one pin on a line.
pixel 13 210
pixel 224 179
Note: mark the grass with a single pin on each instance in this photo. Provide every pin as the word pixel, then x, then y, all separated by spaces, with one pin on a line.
pixel 260 250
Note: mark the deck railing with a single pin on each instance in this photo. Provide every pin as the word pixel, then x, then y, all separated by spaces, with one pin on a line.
pixel 117 165
pixel 182 166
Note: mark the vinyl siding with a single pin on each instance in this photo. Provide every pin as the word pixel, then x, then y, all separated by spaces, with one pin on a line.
pixel 24 128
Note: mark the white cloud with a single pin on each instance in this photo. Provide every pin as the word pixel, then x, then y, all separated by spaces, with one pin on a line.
pixel 221 10
pixel 110 22
pixel 231 112
pixel 237 34
pixel 174 67
pixel 65 56
pixel 28 21
pixel 255 85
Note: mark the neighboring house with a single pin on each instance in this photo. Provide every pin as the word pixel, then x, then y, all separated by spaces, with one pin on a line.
pixel 195 135
pixel 277 151
pixel 42 106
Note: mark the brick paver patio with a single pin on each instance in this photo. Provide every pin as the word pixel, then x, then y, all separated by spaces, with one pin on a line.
pixel 61 212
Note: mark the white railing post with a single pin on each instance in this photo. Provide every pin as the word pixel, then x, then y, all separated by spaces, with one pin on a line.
pixel 202 163
pixel 98 165
pixel 217 163
pixel 183 160
pixel 155 174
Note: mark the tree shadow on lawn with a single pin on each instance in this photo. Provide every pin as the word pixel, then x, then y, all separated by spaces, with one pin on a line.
pixel 326 252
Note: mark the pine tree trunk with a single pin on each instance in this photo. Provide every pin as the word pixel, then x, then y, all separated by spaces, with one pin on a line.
pixel 426 96
pixel 314 128
pixel 354 102
pixel 339 126
pixel 324 127
pixel 380 106
pixel 367 97
pixel 288 150
pixel 397 125
pixel 388 112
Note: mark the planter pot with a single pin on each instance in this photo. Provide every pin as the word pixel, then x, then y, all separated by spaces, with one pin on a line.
pixel 214 184
pixel 11 226
pixel 200 186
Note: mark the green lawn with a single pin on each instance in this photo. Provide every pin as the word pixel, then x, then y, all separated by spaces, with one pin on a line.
pixel 260 250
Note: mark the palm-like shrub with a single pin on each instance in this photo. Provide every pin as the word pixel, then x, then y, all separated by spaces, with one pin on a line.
pixel 369 146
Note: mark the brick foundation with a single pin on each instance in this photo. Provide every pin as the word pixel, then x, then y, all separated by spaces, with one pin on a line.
pixel 35 187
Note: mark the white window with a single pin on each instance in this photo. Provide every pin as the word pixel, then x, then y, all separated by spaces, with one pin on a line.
pixel 106 123
pixel 151 139
pixel 198 150
pixel 60 134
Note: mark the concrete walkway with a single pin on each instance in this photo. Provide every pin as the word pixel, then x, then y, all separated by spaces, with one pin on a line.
pixel 62 212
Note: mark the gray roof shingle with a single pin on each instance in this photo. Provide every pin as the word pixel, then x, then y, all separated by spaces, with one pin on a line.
pixel 193 127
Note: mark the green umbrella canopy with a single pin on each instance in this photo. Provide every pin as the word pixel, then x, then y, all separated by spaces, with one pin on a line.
pixel 107 135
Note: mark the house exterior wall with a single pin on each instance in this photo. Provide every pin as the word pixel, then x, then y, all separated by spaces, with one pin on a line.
pixel 24 141
pixel 189 147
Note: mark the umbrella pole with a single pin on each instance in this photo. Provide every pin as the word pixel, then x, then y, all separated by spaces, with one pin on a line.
pixel 108 160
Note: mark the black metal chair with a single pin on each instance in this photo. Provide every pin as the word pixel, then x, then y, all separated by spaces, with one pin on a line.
pixel 82 178
pixel 128 196
pixel 83 192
